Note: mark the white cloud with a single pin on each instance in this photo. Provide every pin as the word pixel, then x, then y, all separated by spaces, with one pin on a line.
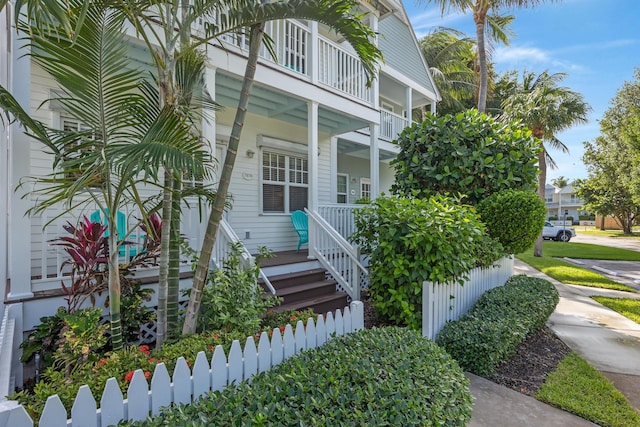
pixel 426 21
pixel 530 58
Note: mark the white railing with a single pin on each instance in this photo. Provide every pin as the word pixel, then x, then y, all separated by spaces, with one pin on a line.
pixel 226 238
pixel 340 217
pixel 391 125
pixel 342 70
pixel 291 44
pixel 186 385
pixel 339 257
pixel 443 302
pixel 7 340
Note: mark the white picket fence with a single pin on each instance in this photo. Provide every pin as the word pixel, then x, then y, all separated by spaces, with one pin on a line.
pixel 443 302
pixel 186 385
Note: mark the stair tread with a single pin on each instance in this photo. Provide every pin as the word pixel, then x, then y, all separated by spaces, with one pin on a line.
pixel 296 274
pixel 311 301
pixel 305 287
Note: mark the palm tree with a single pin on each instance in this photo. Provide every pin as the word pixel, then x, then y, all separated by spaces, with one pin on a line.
pixel 560 182
pixel 450 57
pixel 127 133
pixel 338 15
pixel 546 109
pixel 482 20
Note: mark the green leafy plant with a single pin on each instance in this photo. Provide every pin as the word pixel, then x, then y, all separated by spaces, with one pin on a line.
pixel 388 376
pixel 467 153
pixel 232 299
pixel 44 339
pixel 410 241
pixel 514 218
pixel 501 319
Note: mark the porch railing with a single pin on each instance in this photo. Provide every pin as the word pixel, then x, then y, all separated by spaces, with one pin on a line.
pixel 340 217
pixel 342 70
pixel 336 254
pixel 391 125
pixel 7 339
pixel 227 237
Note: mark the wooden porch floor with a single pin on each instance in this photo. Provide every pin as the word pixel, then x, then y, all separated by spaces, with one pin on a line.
pixel 286 257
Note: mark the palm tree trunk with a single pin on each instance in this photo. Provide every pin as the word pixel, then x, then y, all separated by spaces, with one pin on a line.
pixel 173 282
pixel 480 18
pixel 200 276
pixel 161 332
pixel 542 183
pixel 114 286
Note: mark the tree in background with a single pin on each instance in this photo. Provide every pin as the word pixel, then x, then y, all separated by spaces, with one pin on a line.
pixel 493 24
pixel 547 109
pixel 560 182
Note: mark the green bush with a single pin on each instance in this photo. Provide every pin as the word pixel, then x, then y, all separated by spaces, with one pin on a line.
pixel 586 217
pixel 410 241
pixel 501 319
pixel 514 218
pixel 468 153
pixel 553 218
pixel 388 376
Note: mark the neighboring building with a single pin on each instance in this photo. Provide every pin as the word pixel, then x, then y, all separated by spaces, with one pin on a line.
pixel 563 202
pixel 315 137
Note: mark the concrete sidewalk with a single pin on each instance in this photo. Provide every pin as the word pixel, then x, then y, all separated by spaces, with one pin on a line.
pixel 607 340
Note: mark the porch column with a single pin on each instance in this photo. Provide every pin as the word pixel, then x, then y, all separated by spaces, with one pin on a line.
pixel 408 104
pixel 209 120
pixel 313 53
pixel 433 107
pixel 374 158
pixel 19 224
pixel 375 86
pixel 312 130
pixel 5 137
pixel 333 161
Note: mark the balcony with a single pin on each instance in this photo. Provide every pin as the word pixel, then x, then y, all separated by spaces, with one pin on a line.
pixel 391 125
pixel 336 68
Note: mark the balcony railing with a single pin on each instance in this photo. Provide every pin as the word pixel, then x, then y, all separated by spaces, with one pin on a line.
pixel 391 125
pixel 342 70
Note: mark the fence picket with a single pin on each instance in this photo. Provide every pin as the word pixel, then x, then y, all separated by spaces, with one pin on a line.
pixel 53 414
pixel 264 353
pixel 339 323
pixel 84 409
pixel 277 348
pixel 18 417
pixel 288 342
pixel 138 397
pixel 357 315
pixel 201 376
pixel 346 317
pixel 321 331
pixel 112 404
pixel 181 382
pixel 301 338
pixel 312 335
pixel 161 392
pixel 235 363
pixel 330 325
pixel 250 358
pixel 219 369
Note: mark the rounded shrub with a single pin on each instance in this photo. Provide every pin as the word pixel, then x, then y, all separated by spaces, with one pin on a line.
pixel 501 319
pixel 515 218
pixel 467 153
pixel 387 376
pixel 412 240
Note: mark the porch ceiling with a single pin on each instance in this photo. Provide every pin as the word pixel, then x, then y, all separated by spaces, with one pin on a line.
pixel 283 106
pixel 361 151
pixel 397 92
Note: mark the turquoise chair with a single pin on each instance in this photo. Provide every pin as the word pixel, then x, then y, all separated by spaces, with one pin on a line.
pixel 301 225
pixel 121 224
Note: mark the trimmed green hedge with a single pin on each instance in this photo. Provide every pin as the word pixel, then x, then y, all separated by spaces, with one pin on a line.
pixel 501 319
pixel 387 376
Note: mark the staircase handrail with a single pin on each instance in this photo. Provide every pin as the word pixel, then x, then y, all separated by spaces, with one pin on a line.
pixel 231 235
pixel 352 252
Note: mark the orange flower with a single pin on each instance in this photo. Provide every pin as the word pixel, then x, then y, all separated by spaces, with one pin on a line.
pixel 282 328
pixel 129 376
pixel 147 374
pixel 101 362
pixel 215 336
pixel 144 348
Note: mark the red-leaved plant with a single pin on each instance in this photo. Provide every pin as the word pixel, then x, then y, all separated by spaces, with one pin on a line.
pixel 87 247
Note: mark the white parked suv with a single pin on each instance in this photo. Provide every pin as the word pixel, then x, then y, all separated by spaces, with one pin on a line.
pixel 557 232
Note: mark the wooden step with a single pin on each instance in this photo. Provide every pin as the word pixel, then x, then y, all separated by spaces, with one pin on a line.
pixel 320 305
pixel 282 281
pixel 304 291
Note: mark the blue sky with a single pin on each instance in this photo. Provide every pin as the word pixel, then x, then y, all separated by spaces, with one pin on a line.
pixel 596 42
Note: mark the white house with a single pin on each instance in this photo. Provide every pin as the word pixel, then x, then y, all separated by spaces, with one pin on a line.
pixel 315 137
pixel 563 202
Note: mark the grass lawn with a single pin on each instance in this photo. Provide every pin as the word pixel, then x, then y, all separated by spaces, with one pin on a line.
pixel 568 273
pixel 586 251
pixel 593 231
pixel 577 387
pixel 629 308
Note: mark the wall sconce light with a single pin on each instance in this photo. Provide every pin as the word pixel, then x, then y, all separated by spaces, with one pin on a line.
pixel 250 153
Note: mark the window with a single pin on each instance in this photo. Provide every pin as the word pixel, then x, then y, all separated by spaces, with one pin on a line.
pixel 548 198
pixel 342 190
pixel 285 182
pixel 365 188
pixel 82 144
